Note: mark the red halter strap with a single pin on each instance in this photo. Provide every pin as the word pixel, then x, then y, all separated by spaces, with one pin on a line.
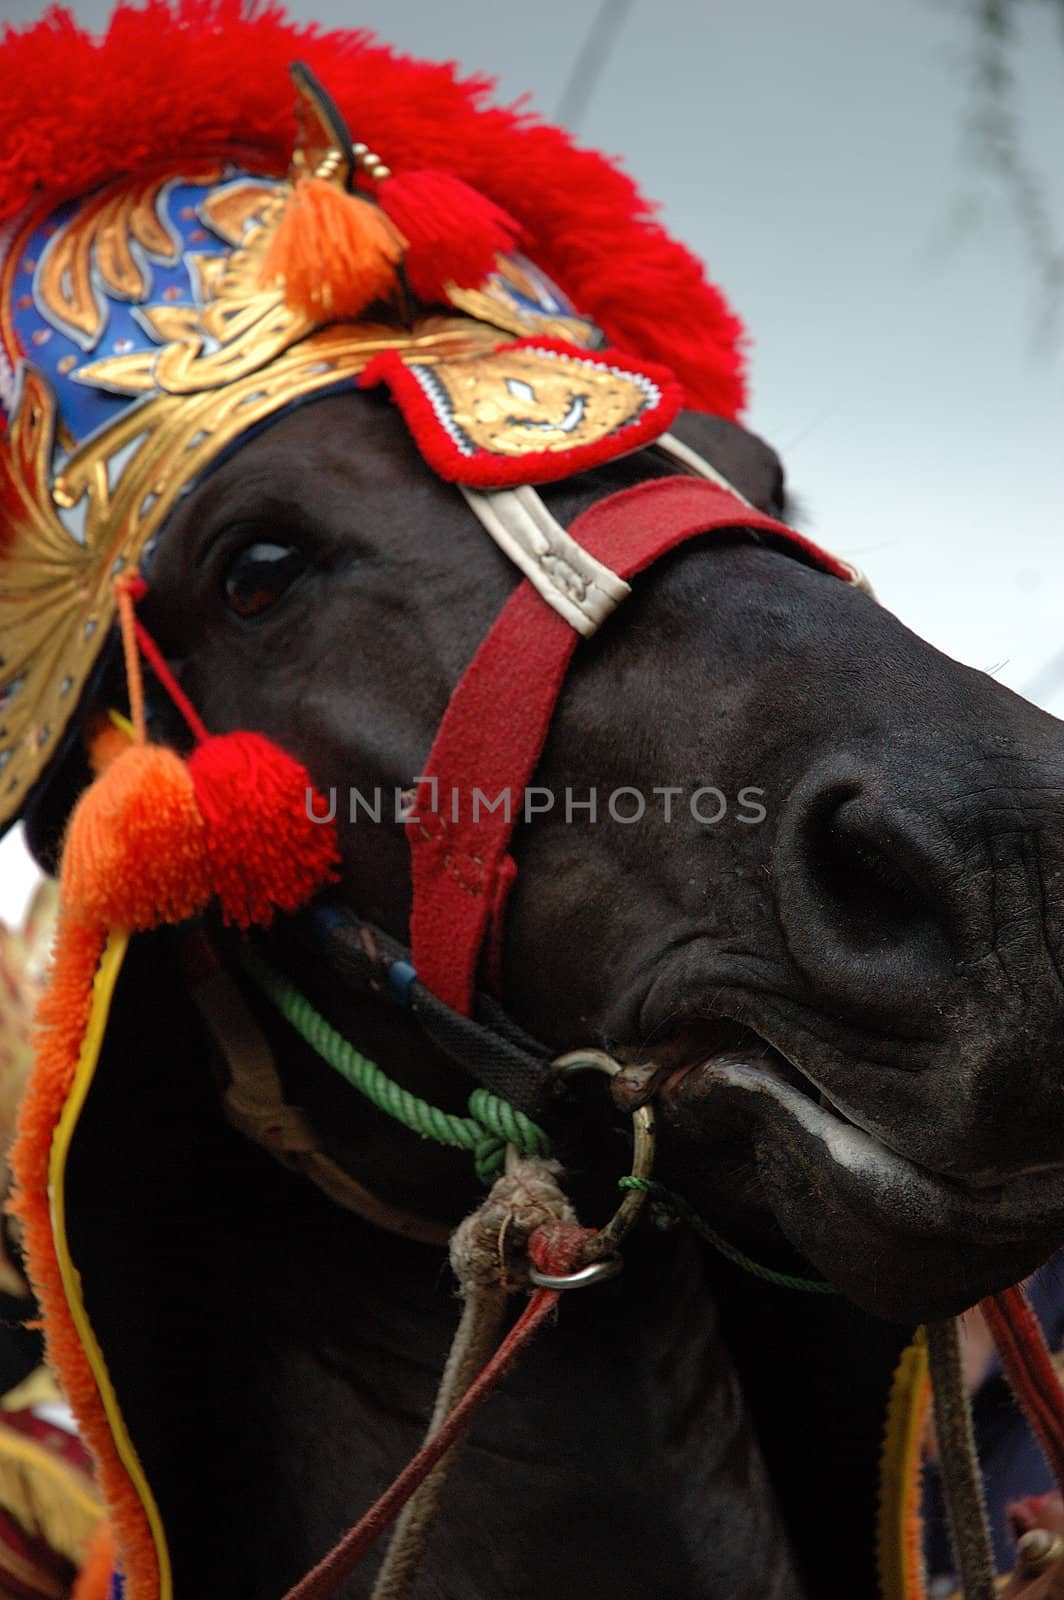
pixel 495 726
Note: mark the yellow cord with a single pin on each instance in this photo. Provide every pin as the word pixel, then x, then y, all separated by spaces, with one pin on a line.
pixel 899 1534
pixel 103 990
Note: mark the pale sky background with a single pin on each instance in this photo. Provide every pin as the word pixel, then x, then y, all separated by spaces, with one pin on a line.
pixel 819 155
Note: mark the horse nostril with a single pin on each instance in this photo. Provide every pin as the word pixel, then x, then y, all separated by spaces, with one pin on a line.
pixel 867 888
pixel 861 896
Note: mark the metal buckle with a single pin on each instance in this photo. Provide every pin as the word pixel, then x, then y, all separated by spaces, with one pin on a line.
pixel 602 1259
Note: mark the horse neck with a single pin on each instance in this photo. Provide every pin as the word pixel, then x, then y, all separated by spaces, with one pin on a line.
pixel 355 1326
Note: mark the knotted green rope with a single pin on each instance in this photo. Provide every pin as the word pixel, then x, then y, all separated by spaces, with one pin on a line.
pixel 672 1209
pixel 492 1123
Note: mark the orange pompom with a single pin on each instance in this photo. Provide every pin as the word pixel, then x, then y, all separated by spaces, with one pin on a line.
pixel 136 850
pixel 453 233
pixel 267 854
pixel 333 253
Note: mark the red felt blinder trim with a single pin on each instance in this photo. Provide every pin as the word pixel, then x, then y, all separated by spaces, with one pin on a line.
pixel 495 726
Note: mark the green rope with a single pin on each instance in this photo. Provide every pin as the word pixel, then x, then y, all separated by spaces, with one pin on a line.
pixel 492 1123
pixel 672 1209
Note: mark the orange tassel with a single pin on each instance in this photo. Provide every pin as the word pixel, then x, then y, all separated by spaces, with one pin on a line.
pixel 453 233
pixel 333 253
pixel 136 850
pixel 154 839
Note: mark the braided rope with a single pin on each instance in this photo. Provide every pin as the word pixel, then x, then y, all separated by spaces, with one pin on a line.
pixel 492 1123
pixel 675 1209
pixel 962 1482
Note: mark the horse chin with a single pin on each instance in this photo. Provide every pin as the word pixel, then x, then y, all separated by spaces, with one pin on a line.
pixel 904 1241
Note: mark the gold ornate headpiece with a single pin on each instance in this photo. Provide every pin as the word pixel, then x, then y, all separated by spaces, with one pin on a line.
pixel 151 325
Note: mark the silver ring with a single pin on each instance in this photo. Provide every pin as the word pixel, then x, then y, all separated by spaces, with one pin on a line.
pixel 583 1278
pixel 605 1242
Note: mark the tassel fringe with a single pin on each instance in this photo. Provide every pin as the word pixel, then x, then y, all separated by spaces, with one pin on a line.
pixel 333 254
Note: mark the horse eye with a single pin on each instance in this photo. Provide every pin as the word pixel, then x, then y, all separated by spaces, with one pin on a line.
pixel 259 576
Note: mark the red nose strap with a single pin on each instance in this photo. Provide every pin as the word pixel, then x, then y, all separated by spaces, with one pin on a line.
pixel 495 726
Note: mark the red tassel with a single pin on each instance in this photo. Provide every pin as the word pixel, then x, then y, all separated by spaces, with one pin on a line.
pixel 333 253
pixel 266 851
pixel 453 233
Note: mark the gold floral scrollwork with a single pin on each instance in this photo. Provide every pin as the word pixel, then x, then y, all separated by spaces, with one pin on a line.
pixel 228 209
pixel 103 236
pixel 240 329
pixel 496 301
pixel 55 599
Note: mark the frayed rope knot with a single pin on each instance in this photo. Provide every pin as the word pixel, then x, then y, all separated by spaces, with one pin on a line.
pixel 528 1202
pixel 490 1249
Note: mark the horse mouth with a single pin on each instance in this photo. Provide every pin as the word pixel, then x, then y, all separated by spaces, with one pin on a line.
pixel 789 1112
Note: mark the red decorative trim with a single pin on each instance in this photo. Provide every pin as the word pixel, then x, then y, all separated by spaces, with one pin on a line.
pixel 424 401
pixel 495 725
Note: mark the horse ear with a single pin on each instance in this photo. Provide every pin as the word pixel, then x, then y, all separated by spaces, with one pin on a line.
pixel 747 462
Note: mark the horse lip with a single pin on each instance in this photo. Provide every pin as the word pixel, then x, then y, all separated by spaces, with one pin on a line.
pixel 763 1065
pixel 692 1047
pixel 1020 1206
pixel 977 1183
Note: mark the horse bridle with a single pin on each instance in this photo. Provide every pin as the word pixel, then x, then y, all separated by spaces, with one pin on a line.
pixel 489 741
pixel 495 725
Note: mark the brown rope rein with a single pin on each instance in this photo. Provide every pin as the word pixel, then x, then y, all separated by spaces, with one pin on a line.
pixel 525 1221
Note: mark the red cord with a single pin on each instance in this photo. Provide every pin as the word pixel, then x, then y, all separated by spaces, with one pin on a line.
pixel 129 589
pixel 155 659
pixel 1028 1367
pixel 554 1250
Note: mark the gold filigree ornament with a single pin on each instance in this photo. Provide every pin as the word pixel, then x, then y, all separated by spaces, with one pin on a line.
pixel 240 326
pixel 512 298
pixel 56 590
pixel 98 252
pixel 520 401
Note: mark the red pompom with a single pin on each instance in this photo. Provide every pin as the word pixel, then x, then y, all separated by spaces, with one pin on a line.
pixel 266 851
pixel 453 233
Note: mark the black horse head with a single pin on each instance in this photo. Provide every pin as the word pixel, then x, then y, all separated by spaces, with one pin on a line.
pixel 792 867
pixel 841 960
